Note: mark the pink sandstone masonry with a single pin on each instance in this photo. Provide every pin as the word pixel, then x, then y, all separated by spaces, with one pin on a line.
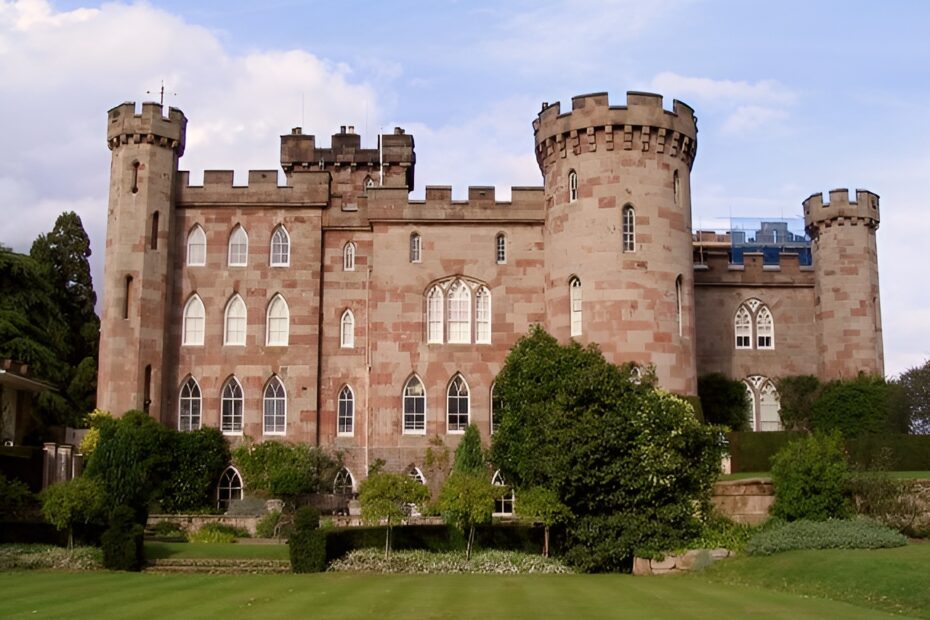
pixel 613 213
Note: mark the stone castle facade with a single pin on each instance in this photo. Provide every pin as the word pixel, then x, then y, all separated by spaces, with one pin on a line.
pixel 335 310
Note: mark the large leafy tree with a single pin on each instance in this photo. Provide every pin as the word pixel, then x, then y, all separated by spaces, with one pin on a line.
pixel 631 462
pixel 915 388
pixel 724 401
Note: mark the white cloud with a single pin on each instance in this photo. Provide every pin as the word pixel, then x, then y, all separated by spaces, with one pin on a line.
pixel 749 117
pixel 63 70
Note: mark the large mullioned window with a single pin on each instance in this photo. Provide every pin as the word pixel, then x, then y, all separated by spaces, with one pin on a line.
pixel 274 408
pixel 754 318
pixel 457 405
pixel 765 409
pixel 231 407
pixel 414 406
pixel 458 312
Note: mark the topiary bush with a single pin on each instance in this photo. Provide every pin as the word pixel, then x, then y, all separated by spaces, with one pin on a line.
pixel 831 534
pixel 122 542
pixel 811 479
pixel 307 546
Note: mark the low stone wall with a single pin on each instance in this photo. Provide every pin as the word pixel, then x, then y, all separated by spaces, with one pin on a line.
pixel 192 523
pixel 744 501
pixel 695 559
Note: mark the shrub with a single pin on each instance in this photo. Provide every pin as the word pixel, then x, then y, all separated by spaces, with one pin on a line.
pixel 122 542
pixel 197 460
pixel 831 534
pixel 15 498
pixel 217 533
pixel 285 470
pixel 724 401
pixel 168 529
pixel 796 397
pixel 751 451
pixel 810 477
pixel 856 407
pixel 275 524
pixel 307 546
pixel 427 562
pixel 77 501
pixel 718 532
pixel 49 557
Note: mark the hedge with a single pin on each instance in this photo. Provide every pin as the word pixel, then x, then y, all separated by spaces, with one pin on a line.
pixel 528 539
pixel 753 451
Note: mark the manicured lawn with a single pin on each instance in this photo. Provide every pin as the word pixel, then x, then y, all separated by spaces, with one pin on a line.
pixel 102 595
pixel 896 580
pixel 232 551
pixel 900 475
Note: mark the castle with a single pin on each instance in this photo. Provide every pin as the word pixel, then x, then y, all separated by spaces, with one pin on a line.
pixel 335 310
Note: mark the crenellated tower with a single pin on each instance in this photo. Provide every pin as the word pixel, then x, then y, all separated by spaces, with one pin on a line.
pixel 847 305
pixel 134 328
pixel 618 264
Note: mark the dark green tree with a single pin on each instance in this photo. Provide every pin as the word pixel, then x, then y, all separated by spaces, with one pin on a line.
pixel 724 401
pixel 631 462
pixel 198 459
pixel 915 389
pixel 860 406
pixel 811 478
pixel 470 457
pixel 796 397
pixel 285 470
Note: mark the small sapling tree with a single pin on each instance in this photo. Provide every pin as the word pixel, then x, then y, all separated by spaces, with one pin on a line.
pixel 542 505
pixel 385 497
pixel 78 501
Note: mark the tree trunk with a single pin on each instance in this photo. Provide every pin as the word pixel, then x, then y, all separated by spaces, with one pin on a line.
pixel 471 539
pixel 70 539
pixel 546 541
pixel 387 541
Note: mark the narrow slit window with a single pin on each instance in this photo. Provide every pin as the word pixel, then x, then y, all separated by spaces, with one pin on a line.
pixel 154 240
pixel 347 330
pixel 348 257
pixel 501 248
pixel 678 311
pixel 416 247
pixel 128 294
pixel 575 301
pixel 147 389
pixel 572 186
pixel 134 178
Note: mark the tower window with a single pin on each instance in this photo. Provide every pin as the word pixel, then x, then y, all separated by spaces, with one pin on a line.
pixel 128 293
pixel 154 240
pixel 574 286
pixel 678 311
pixel 572 186
pixel 347 330
pixel 134 178
pixel 629 229
pixel 676 185
pixel 500 246
pixel 348 257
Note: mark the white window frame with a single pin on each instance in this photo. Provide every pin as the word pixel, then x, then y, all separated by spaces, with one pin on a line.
pixel 629 228
pixel 238 255
pixel 417 475
pixel 435 303
pixel 500 248
pixel 229 475
pixel 769 407
pixel 277 400
pixel 196 240
pixel 342 481
pixel 228 423
pixel 416 247
pixel 572 186
pixel 347 330
pixel 742 327
pixel 228 335
pixel 765 331
pixel 501 503
pixel 280 247
pixel 345 415
pixel 459 313
pixel 575 305
pixel 192 397
pixel 194 322
pixel 457 398
pixel 483 315
pixel 417 421
pixel 348 256
pixel 278 315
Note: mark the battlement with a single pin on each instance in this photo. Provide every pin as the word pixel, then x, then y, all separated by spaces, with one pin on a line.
pixel 149 126
pixel 714 267
pixel 299 151
pixel 840 209
pixel 642 124
pixel 310 189
pixel 526 204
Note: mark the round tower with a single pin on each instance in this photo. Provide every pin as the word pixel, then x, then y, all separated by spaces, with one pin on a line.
pixel 847 308
pixel 145 150
pixel 619 267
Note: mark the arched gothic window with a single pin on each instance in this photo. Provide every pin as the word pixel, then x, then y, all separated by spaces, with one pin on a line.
pixel 459 313
pixel 574 286
pixel 231 407
pixel 348 257
pixel 277 324
pixel 193 322
pixel 765 413
pixel 483 315
pixel 414 406
pixel 196 247
pixel 368 184
pixel 572 186
pixel 416 246
pixel 229 488
pixel 345 418
pixel 238 248
pixel 495 409
pixel 347 330
pixel 629 229
pixel 457 405
pixel 280 247
pixel 235 322
pixel 416 475
pixel 500 248
pixel 503 505
pixel 189 406
pixel 344 483
pixel 274 408
pixel 754 318
pixel 434 306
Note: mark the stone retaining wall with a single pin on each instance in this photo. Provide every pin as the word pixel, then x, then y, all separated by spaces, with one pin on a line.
pixel 695 559
pixel 744 501
pixel 192 523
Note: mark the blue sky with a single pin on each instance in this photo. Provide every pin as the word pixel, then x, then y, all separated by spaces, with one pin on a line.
pixel 792 98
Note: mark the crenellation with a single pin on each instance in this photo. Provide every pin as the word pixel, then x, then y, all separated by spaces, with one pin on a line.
pixel 840 208
pixel 150 125
pixel 526 204
pixel 307 189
